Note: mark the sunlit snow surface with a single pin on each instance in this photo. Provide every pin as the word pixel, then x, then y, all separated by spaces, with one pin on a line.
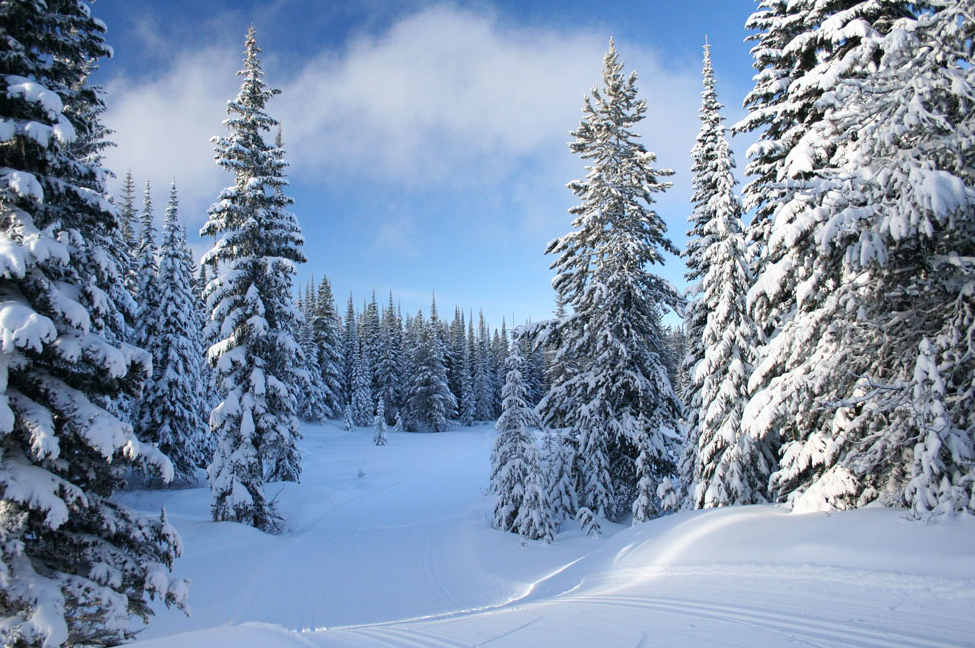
pixel 404 556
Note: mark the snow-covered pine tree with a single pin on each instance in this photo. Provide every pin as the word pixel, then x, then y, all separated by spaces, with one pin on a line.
pixel 903 224
pixel 499 352
pixel 520 501
pixel 362 403
pixel 388 370
pixel 430 398
pixel 173 401
pixel 127 211
pixel 75 565
pixel 720 466
pixel 347 422
pixel 483 374
pixel 620 392
pixel 468 403
pixel 257 243
pixel 560 483
pixel 379 424
pixel 878 194
pixel 371 339
pixel 324 328
pixel 146 281
pixel 350 350
pixel 455 355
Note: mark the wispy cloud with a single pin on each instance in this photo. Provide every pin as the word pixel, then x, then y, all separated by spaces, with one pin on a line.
pixel 445 99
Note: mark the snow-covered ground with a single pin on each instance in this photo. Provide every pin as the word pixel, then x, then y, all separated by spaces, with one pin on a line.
pixel 391 546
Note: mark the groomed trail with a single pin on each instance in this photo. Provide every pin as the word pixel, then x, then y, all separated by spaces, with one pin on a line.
pixel 391 546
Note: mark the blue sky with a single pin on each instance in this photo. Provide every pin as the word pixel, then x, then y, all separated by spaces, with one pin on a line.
pixel 427 140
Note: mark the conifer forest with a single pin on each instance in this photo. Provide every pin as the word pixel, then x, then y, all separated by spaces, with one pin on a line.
pixel 780 453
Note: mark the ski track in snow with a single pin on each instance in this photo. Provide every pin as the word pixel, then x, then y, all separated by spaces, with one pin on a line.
pixel 403 558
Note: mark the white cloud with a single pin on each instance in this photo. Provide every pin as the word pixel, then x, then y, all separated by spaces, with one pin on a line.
pixel 444 99
pixel 163 125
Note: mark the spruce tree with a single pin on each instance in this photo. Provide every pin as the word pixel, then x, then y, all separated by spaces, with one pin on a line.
pixel 620 393
pixel 350 351
pixel 324 327
pixel 721 466
pixel 379 424
pixel 468 403
pixel 75 565
pixel 257 243
pixel 483 375
pixel 430 398
pixel 388 370
pixel 173 402
pixel 849 277
pixel 362 403
pixel 520 500
pixel 147 280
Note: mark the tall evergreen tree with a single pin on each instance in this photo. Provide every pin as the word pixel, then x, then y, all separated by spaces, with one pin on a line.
pixel 455 355
pixel 62 454
pixel 430 398
pixel 721 466
pixel 520 500
pixel 468 402
pixel 350 350
pixel 389 368
pixel 620 393
pixel 846 275
pixel 127 217
pixel 361 391
pixel 257 243
pixel 173 402
pixel 147 279
pixel 325 340
pixel 483 374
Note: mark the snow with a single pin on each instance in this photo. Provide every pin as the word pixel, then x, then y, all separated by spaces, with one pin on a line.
pixel 49 101
pixel 22 183
pixel 404 555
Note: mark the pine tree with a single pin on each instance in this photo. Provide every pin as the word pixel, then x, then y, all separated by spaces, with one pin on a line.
pixel 388 371
pixel 173 402
pixel 455 355
pixel 483 375
pixel 348 423
pixel 146 281
pixel 430 398
pixel 379 424
pixel 127 217
pixel 620 392
pixel 62 454
pixel 257 243
pixel 560 484
pixel 721 466
pixel 468 402
pixel 520 502
pixel 850 253
pixel 371 340
pixel 350 351
pixel 324 327
pixel 362 406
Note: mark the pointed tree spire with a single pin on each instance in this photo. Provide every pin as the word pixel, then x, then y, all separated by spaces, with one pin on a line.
pixel 620 392
pixel 721 466
pixel 257 243
pixel 173 403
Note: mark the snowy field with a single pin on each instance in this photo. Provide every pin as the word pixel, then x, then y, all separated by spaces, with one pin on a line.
pixel 391 546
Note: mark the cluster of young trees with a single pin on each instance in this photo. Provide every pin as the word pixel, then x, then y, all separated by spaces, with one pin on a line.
pixel 426 371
